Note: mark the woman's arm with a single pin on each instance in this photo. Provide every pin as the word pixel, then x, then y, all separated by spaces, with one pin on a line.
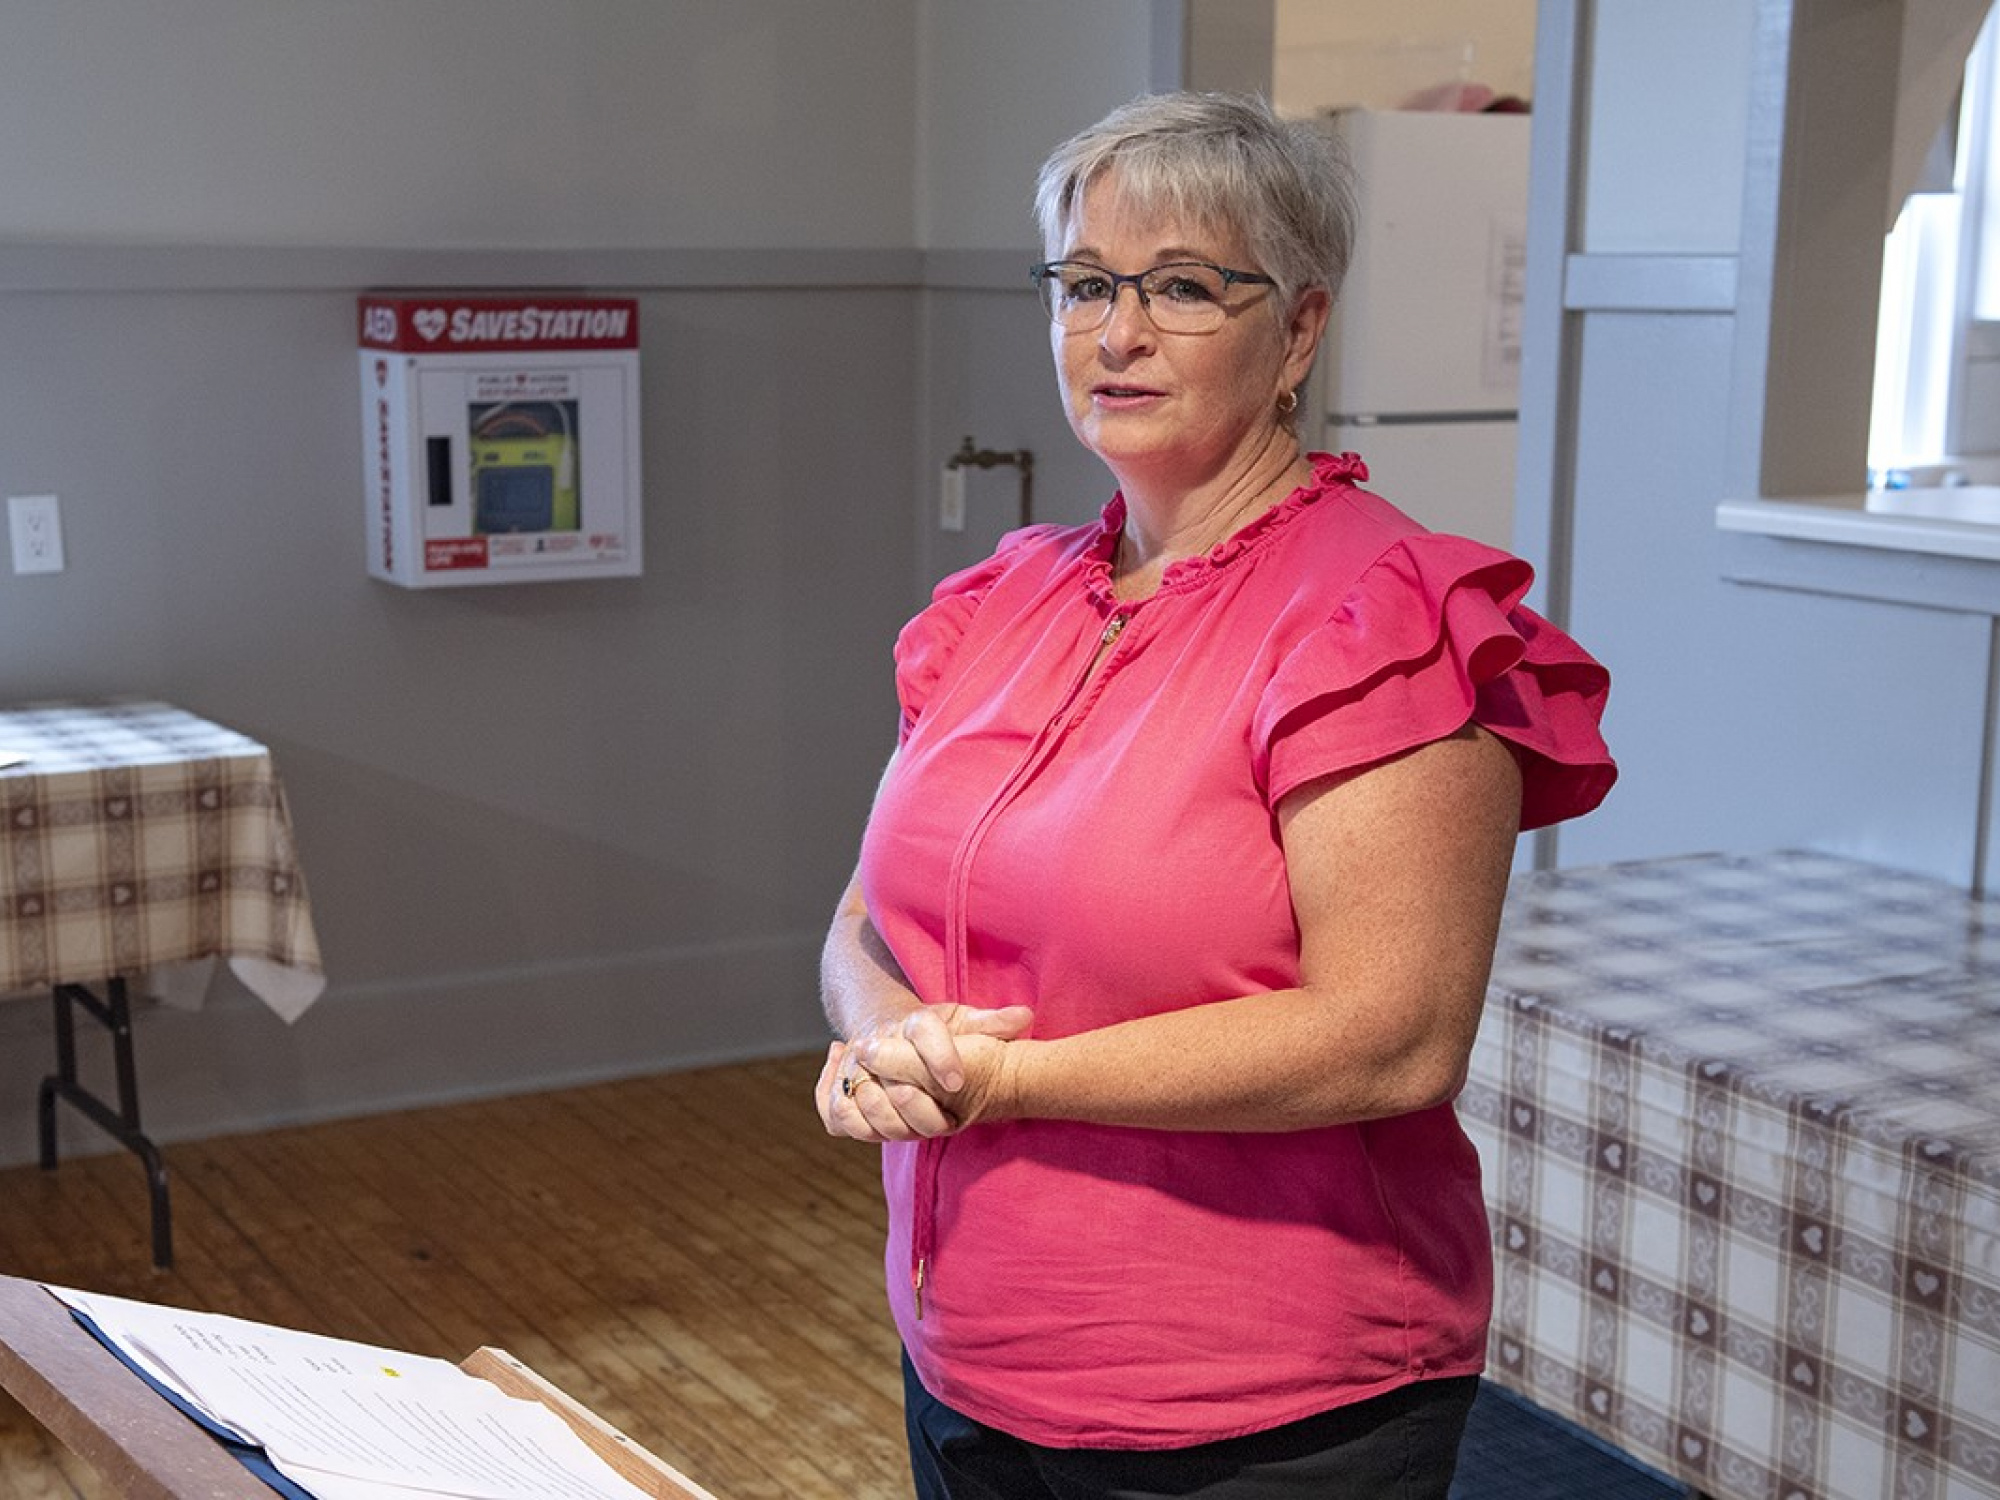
pixel 862 988
pixel 869 1002
pixel 1397 876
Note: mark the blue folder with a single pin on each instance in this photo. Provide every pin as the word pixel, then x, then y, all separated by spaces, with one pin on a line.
pixel 250 1455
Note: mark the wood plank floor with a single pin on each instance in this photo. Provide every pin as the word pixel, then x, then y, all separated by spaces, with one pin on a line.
pixel 689 1254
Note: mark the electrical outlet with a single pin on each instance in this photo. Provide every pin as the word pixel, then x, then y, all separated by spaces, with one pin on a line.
pixel 951 499
pixel 34 524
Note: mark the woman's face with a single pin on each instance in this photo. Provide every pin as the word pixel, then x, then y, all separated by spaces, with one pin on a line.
pixel 1175 408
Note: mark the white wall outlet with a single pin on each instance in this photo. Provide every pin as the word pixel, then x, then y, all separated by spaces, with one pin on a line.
pixel 951 499
pixel 34 524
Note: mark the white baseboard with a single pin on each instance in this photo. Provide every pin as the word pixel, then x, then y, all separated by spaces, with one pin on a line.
pixel 233 1066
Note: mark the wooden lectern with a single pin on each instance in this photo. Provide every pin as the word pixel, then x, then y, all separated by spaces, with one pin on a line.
pixel 80 1392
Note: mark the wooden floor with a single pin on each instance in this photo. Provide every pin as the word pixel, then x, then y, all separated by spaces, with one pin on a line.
pixel 688 1254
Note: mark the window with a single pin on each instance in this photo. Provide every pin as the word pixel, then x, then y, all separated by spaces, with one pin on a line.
pixel 1936 412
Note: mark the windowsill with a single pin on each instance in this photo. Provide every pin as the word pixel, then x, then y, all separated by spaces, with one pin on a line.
pixel 1897 520
pixel 1908 548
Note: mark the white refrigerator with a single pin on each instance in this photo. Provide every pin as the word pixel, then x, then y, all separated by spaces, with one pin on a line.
pixel 1420 371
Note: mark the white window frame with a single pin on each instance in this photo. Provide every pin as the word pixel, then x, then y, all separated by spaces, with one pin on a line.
pixel 1935 417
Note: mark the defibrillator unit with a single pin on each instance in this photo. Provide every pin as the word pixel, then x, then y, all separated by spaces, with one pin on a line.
pixel 501 438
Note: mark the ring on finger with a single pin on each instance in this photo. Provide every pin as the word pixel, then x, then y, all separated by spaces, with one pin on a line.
pixel 850 1082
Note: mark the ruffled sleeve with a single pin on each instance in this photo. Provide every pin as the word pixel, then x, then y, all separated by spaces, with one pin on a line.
pixel 1434 635
pixel 925 645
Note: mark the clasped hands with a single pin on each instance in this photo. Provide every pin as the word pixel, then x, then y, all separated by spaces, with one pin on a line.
pixel 926 1072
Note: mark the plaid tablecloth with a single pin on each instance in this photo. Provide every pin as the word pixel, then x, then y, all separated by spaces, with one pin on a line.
pixel 1740 1119
pixel 135 837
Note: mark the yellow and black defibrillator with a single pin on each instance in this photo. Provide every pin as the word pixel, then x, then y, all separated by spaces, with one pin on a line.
pixel 524 467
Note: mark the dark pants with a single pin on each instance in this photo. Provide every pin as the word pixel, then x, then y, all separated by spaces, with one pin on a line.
pixel 1398 1446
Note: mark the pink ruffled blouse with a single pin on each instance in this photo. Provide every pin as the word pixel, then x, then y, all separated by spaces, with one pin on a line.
pixel 1103 846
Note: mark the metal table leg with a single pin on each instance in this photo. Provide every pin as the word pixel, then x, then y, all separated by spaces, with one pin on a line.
pixel 114 1013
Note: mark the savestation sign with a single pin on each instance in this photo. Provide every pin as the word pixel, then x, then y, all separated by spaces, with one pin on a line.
pixel 501 438
pixel 418 325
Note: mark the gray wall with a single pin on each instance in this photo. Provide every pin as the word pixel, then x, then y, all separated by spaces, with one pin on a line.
pixel 561 831
pixel 552 831
pixel 993 107
pixel 1697 258
pixel 1747 718
pixel 462 123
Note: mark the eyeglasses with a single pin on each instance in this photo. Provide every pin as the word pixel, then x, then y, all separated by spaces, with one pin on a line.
pixel 1183 296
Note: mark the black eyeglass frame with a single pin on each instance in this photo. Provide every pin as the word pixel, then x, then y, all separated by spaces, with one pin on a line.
pixel 1040 272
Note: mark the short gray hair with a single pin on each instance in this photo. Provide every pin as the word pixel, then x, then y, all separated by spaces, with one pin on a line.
pixel 1218 161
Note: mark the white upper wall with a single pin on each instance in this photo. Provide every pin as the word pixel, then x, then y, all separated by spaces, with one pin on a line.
pixel 1001 90
pixel 475 123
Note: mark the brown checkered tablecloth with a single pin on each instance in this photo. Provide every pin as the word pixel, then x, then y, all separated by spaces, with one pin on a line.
pixel 1740 1120
pixel 135 837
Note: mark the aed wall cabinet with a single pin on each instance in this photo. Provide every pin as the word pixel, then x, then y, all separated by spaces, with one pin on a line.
pixel 501 438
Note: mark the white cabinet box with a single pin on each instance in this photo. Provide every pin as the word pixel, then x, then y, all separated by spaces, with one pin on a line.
pixel 501 438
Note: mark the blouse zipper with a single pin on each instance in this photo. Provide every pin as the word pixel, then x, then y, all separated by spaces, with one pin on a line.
pixel 928 1151
pixel 924 1191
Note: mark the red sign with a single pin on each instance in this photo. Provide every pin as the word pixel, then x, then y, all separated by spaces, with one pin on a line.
pixel 444 553
pixel 491 325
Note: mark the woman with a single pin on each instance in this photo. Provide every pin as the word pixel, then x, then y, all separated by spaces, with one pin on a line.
pixel 1176 908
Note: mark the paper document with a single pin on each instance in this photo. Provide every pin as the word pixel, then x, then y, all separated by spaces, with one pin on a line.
pixel 353 1421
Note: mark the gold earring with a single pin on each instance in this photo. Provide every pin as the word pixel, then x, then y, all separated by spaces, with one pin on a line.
pixel 1288 403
